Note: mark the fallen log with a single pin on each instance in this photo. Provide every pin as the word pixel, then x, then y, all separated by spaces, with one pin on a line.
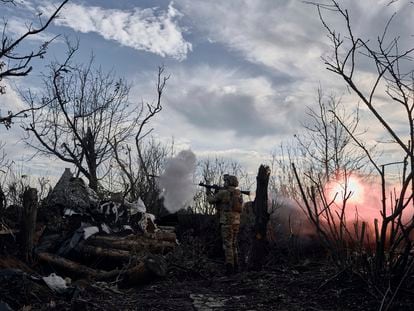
pixel 162 235
pixel 107 253
pixel 145 271
pixel 167 229
pixel 158 235
pixel 70 266
pixel 132 244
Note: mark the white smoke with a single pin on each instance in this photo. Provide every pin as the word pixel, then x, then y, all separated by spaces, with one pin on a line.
pixel 177 181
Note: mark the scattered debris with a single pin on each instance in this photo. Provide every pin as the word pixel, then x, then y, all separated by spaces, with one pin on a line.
pixel 90 239
pixel 56 283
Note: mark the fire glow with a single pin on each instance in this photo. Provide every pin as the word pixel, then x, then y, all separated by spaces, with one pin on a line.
pixel 363 198
pixel 351 188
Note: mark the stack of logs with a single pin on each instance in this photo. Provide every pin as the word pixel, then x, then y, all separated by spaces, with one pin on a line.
pixel 135 259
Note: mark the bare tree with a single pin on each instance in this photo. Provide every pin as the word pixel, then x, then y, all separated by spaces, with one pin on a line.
pixel 141 163
pixel 323 149
pixel 392 82
pixel 85 111
pixel 132 175
pixel 17 63
pixel 323 152
pixel 325 143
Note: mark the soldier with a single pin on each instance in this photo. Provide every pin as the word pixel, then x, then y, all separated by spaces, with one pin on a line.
pixel 229 202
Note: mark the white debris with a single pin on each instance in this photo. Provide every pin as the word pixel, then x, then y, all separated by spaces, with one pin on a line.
pixel 105 228
pixel 136 207
pixel 56 283
pixel 70 212
pixel 89 231
pixel 128 227
pixel 145 220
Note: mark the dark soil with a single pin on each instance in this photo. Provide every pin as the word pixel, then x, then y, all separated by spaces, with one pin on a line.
pixel 202 285
pixel 300 278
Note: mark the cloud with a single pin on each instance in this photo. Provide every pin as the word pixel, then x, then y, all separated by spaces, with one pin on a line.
pixel 277 34
pixel 18 27
pixel 151 29
pixel 222 99
pixel 11 100
pixel 285 35
pixel 220 111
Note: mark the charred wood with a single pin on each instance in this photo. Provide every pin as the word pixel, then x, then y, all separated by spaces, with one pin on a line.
pixel 260 207
pixel 67 265
pixel 143 272
pixel 136 243
pixel 28 223
pixel 162 235
pixel 110 254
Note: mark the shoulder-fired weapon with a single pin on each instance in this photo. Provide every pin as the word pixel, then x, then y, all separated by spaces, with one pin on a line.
pixel 217 188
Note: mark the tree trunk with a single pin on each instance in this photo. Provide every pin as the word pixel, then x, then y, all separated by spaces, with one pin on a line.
pixel 260 208
pixel 91 159
pixel 28 223
pixel 93 181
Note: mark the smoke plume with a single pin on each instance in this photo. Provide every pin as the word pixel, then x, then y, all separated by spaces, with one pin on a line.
pixel 289 219
pixel 177 181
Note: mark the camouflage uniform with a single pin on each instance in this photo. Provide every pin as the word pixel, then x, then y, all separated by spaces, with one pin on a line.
pixel 229 221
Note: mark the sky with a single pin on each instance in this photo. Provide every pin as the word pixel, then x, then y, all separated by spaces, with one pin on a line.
pixel 241 72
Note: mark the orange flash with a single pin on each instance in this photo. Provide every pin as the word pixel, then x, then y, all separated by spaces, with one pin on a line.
pixel 351 188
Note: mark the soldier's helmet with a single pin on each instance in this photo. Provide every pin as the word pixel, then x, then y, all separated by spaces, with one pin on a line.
pixel 230 180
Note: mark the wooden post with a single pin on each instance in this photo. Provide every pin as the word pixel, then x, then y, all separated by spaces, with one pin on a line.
pixel 28 222
pixel 260 208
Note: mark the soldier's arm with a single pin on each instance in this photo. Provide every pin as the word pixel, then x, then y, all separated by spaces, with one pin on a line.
pixel 211 198
pixel 218 197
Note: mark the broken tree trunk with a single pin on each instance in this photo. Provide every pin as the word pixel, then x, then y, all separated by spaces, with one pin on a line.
pixel 260 208
pixel 28 223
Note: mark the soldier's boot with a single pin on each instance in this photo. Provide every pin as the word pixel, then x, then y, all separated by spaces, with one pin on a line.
pixel 229 269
